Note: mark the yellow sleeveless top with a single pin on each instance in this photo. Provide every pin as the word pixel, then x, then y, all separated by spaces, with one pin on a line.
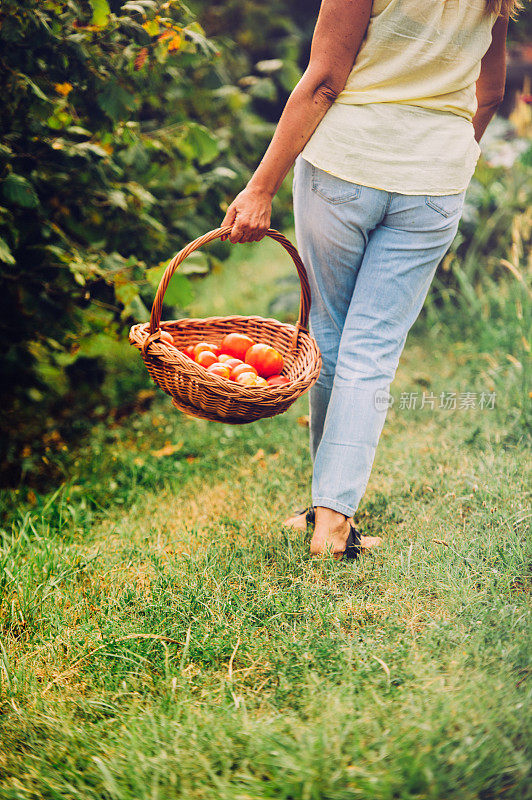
pixel 403 121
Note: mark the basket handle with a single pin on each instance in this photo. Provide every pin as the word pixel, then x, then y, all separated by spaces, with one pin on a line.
pixel 304 305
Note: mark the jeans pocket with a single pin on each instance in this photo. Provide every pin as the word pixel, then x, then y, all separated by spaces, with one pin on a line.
pixel 332 189
pixel 447 205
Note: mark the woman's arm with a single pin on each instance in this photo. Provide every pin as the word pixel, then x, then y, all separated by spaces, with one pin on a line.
pixel 337 38
pixel 492 78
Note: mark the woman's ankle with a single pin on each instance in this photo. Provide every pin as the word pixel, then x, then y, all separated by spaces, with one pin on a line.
pixel 329 517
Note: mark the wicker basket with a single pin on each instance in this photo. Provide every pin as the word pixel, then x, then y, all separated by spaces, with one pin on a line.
pixel 200 393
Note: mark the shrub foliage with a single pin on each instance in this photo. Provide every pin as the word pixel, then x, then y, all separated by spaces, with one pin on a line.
pixel 122 138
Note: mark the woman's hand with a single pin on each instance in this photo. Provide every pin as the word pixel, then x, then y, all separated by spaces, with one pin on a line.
pixel 249 214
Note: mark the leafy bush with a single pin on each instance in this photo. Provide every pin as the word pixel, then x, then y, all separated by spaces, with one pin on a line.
pixel 482 292
pixel 121 141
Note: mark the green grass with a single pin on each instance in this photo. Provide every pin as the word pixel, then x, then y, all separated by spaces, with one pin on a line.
pixel 164 637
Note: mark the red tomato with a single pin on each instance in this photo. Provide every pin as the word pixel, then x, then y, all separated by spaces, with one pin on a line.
pixel 219 369
pixel 262 382
pixel 206 358
pixel 277 380
pixel 232 362
pixel 240 368
pixel 246 379
pixel 266 360
pixel 201 346
pixel 236 344
pixel 226 359
pixel 189 351
pixel 167 337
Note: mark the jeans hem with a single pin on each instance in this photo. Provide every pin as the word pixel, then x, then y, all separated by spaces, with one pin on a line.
pixel 328 502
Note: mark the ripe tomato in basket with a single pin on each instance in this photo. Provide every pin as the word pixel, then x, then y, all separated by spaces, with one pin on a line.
pixel 232 363
pixel 277 380
pixel 188 351
pixel 167 338
pixel 236 345
pixel 219 369
pixel 246 379
pixel 229 360
pixel 266 360
pixel 240 368
pixel 201 346
pixel 206 358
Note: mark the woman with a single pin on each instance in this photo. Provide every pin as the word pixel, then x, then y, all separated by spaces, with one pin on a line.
pixel 385 125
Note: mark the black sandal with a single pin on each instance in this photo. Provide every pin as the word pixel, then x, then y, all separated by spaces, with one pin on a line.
pixel 353 546
pixel 310 514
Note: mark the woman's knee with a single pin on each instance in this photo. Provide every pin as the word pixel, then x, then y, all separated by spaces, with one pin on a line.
pixel 369 361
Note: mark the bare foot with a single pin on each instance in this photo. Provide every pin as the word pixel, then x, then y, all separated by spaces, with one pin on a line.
pixel 367 542
pixel 298 521
pixel 330 533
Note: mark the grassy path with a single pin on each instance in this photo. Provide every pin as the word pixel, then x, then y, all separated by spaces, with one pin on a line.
pixel 164 637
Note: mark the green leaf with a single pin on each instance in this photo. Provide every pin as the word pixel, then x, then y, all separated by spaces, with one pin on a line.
pixel 152 27
pixel 154 275
pixel 138 310
pixel 225 173
pixel 117 199
pixel 179 292
pixel 153 223
pixel 136 154
pixel 100 12
pixel 116 101
pixel 19 191
pixel 37 91
pixel 264 89
pixel 59 119
pixel 269 66
pixel 142 194
pixel 196 263
pixel 88 147
pixel 5 253
pixel 289 75
pixel 526 157
pixel 134 7
pixel 195 33
pixel 79 131
pixel 200 143
pixel 125 293
pixel 58 252
pixel 5 152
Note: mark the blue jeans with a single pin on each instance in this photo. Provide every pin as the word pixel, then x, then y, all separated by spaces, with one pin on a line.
pixel 370 257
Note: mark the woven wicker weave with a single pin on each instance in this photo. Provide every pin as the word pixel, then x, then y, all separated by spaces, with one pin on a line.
pixel 202 394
